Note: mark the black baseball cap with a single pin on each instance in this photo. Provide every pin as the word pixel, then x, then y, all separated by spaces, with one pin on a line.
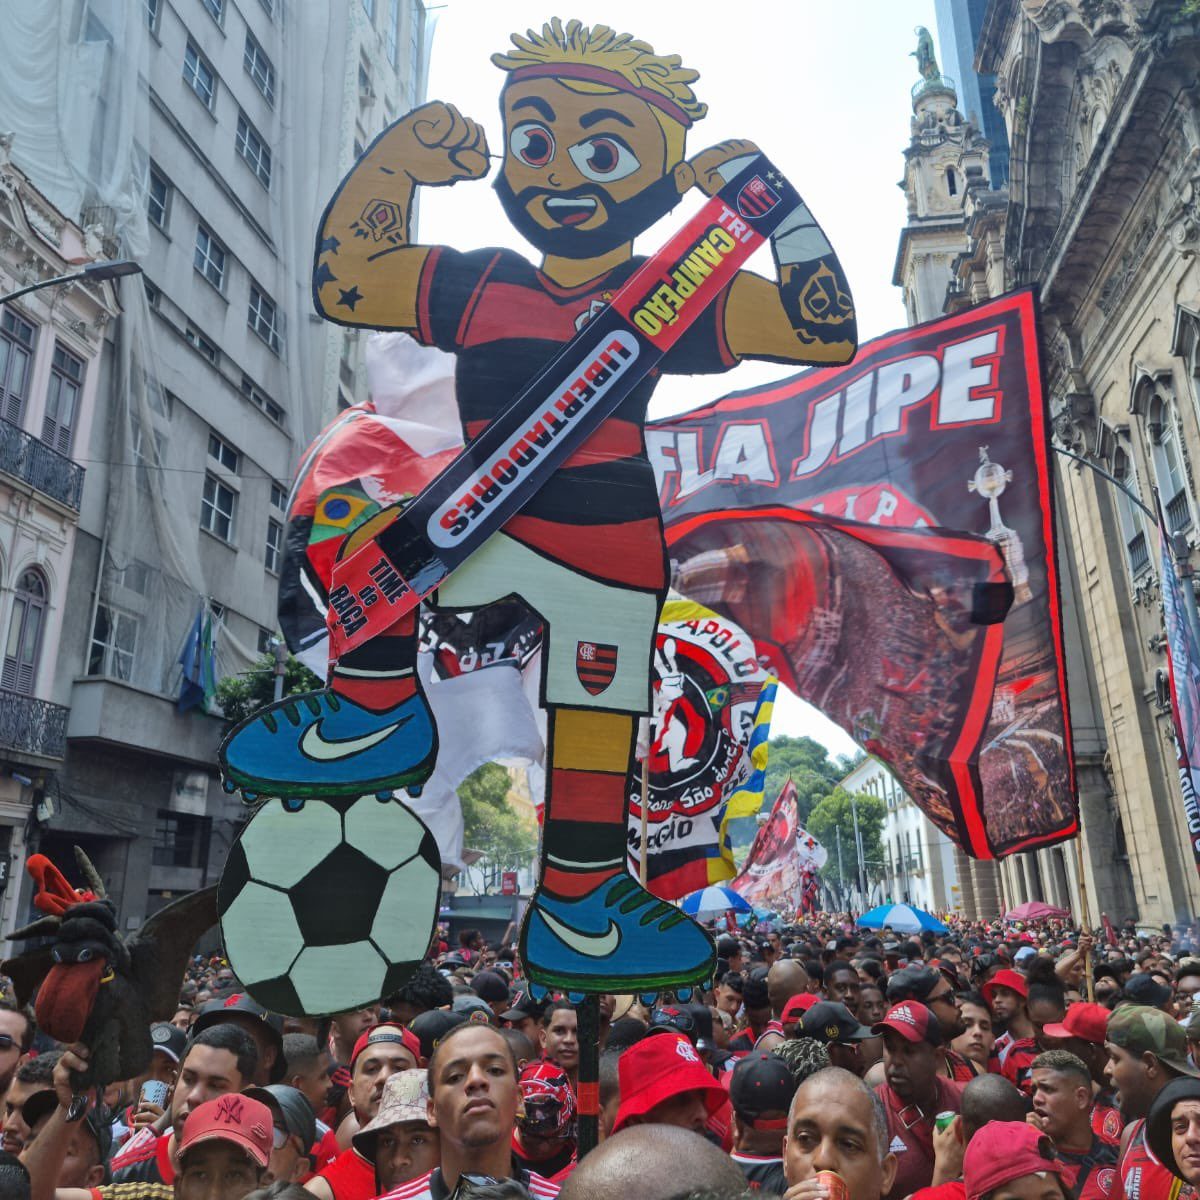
pixel 98 1119
pixel 762 1083
pixel 728 947
pixel 223 1012
pixel 913 982
pixel 523 1007
pixel 298 1116
pixel 168 1039
pixel 1143 988
pixel 490 986
pixel 430 1027
pixel 734 980
pixel 832 1023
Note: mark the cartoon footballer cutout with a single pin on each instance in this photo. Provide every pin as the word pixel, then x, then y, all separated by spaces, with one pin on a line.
pixel 595 151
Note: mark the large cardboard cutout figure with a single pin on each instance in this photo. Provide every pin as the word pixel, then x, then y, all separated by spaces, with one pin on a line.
pixel 595 131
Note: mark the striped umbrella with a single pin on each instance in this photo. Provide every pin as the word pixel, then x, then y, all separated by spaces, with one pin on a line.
pixel 713 900
pixel 903 918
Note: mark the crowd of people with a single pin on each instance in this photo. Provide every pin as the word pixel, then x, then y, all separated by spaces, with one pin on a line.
pixel 826 1063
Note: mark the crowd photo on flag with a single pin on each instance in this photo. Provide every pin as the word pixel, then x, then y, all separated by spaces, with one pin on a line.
pixel 713 708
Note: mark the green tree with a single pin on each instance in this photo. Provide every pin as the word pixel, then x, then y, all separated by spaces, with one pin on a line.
pixel 833 813
pixel 490 824
pixel 240 696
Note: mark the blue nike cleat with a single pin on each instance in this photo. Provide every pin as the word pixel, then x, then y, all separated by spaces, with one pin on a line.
pixel 617 938
pixel 321 744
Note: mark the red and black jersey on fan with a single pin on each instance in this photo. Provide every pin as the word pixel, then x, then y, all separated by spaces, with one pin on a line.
pixel 1140 1176
pixel 959 1068
pixel 1107 1122
pixel 763 1174
pixel 1017 1067
pixel 504 320
pixel 1092 1175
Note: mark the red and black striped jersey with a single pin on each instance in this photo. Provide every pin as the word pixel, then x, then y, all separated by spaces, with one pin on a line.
pixel 504 320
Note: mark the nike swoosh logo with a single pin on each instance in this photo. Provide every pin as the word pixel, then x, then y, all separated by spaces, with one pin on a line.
pixel 327 750
pixel 591 945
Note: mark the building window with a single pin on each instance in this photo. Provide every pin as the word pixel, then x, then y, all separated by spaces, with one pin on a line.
pixel 274 545
pixel 951 181
pixel 180 840
pixel 199 76
pixel 209 258
pixel 24 642
pixel 263 318
pixel 16 355
pixel 253 149
pixel 365 92
pixel 278 497
pixel 158 198
pixel 1168 468
pixel 1133 529
pixel 114 643
pixel 62 399
pixel 258 67
pixel 216 9
pixel 391 34
pixel 152 9
pixel 222 452
pixel 200 343
pixel 153 295
pixel 257 396
pixel 218 508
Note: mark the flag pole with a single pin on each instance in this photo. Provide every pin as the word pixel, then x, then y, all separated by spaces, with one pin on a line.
pixel 643 872
pixel 1084 922
pixel 588 1021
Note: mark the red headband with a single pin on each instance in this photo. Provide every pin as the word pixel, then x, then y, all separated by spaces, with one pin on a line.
pixel 569 70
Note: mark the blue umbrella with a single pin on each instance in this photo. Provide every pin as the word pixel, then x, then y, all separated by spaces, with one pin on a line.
pixel 903 918
pixel 712 900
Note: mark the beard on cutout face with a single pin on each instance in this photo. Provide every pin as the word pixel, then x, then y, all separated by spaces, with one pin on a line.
pixel 626 218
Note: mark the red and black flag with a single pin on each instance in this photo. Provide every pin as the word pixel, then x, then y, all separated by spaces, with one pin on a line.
pixel 884 532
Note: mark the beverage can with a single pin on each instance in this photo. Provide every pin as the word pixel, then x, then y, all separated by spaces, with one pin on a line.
pixel 154 1091
pixel 944 1120
pixel 836 1185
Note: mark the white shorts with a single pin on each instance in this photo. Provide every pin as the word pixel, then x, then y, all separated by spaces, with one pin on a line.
pixel 598 637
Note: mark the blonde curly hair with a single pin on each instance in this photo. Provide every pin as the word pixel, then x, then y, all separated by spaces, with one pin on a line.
pixel 597 60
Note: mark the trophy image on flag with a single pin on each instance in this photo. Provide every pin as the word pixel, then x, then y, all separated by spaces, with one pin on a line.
pixel 990 482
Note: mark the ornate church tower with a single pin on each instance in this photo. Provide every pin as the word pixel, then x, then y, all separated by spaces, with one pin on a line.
pixel 946 158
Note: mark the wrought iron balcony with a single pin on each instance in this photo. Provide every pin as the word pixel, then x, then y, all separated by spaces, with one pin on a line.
pixel 1139 553
pixel 33 462
pixel 1179 512
pixel 33 726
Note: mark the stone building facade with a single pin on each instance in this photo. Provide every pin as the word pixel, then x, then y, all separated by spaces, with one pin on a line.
pixel 1101 215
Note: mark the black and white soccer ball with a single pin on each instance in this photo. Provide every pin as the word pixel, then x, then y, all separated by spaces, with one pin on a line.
pixel 328 909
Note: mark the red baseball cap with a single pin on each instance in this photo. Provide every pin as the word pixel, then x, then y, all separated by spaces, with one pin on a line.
pixel 797 1006
pixel 1013 980
pixel 389 1031
pixel 912 1021
pixel 1088 1022
pixel 232 1118
pixel 1003 1151
pixel 658 1068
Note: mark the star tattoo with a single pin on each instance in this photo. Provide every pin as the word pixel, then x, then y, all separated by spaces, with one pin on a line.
pixel 329 244
pixel 349 298
pixel 323 275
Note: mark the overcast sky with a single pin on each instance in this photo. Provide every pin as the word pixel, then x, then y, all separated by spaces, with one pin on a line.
pixel 821 85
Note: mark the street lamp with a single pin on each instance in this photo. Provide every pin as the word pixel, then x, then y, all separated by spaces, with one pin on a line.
pixel 98 271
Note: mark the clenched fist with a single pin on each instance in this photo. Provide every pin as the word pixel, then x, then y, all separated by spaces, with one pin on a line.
pixel 435 144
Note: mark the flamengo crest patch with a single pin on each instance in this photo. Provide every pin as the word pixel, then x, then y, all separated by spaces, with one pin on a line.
pixel 756 199
pixel 595 664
